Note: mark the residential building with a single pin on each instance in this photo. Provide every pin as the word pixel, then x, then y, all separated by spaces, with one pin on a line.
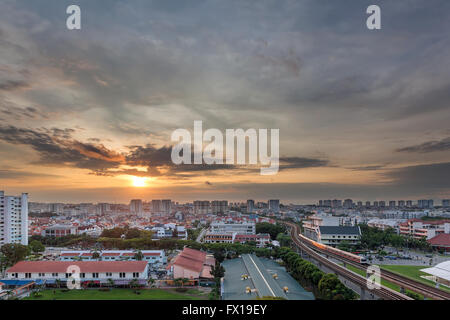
pixel 446 203
pixel 274 205
pixel 425 204
pixel 219 206
pixel 13 219
pixel 239 228
pixel 201 207
pixel 334 235
pixel 166 206
pixel 155 258
pixel 121 272
pixel 136 207
pixel 424 229
pixel 250 206
pixel 59 230
pixel 441 242
pixel 193 265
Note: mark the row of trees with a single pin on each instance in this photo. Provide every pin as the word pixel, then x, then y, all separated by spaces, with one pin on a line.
pixel 272 229
pixel 326 286
pixel 373 238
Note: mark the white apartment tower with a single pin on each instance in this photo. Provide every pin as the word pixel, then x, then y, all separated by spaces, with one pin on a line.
pixel 13 219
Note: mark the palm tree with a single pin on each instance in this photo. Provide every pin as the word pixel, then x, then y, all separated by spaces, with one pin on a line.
pixel 138 256
pixel 111 282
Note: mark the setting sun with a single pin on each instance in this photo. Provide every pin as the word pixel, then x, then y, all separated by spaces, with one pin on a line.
pixel 139 181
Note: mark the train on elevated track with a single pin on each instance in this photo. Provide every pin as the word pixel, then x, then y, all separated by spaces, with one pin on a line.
pixel 324 249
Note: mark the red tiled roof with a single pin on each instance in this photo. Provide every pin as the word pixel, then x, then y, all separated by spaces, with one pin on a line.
pixel 85 266
pixel 191 259
pixel 442 239
pixel 128 254
pixel 86 254
pixel 151 254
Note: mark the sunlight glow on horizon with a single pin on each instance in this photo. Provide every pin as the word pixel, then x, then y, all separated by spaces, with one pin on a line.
pixel 139 181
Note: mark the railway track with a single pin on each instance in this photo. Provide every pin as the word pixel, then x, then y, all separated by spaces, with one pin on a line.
pixel 383 292
pixel 402 281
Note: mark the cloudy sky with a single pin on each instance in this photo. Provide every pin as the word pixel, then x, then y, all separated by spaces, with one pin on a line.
pixel 86 115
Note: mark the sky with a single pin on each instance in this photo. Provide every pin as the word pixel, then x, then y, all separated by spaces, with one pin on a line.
pixel 87 115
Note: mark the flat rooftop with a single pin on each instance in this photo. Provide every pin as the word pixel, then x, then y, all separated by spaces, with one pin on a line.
pixel 261 281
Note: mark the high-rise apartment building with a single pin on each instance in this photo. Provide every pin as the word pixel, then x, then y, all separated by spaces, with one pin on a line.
pixel 218 206
pixel 446 203
pixel 136 207
pixel 250 206
pixel 274 205
pixel 201 207
pixel 13 219
pixel 166 206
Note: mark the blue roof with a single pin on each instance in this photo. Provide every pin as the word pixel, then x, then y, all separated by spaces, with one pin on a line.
pixel 20 282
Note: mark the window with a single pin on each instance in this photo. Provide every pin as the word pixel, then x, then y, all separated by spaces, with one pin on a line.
pixel 54 274
pixel 68 275
pixel 28 275
pixel 135 274
pixel 121 274
pixel 109 274
pixel 95 275
pixel 41 274
pixel 82 275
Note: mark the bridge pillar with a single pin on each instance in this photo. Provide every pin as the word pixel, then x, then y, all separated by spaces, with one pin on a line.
pixel 363 294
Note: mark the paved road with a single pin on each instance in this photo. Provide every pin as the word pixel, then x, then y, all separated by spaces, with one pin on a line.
pixel 263 281
pixel 201 235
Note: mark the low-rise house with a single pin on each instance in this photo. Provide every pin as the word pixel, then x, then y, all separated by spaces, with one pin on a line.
pixel 155 258
pixel 334 235
pixel 49 272
pixel 424 229
pixel 193 265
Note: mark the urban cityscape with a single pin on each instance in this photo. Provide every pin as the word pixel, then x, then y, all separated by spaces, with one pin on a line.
pixel 211 248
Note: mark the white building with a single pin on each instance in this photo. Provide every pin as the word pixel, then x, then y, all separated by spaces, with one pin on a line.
pixel 155 258
pixel 121 272
pixel 13 219
pixel 239 228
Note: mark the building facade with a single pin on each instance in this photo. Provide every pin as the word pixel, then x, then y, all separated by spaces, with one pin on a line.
pixel 13 219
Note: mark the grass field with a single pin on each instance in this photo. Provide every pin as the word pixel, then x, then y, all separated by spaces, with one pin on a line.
pixel 412 272
pixel 120 294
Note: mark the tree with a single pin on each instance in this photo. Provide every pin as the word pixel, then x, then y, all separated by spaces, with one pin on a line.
pixel 217 271
pixel 95 255
pixel 284 239
pixel 14 252
pixel 36 246
pixel 138 256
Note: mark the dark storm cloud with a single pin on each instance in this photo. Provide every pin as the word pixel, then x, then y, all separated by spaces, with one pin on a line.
pixel 430 176
pixel 11 85
pixel 55 148
pixel 429 146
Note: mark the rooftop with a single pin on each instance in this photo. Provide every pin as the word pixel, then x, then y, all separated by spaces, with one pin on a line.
pixel 85 266
pixel 340 230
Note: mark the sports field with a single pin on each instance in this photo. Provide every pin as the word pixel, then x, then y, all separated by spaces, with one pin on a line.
pixel 412 272
pixel 120 294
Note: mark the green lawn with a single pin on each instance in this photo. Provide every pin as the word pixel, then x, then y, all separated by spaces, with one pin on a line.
pixel 412 272
pixel 120 294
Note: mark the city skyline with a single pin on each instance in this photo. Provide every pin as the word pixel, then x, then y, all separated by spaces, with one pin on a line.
pixel 86 115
